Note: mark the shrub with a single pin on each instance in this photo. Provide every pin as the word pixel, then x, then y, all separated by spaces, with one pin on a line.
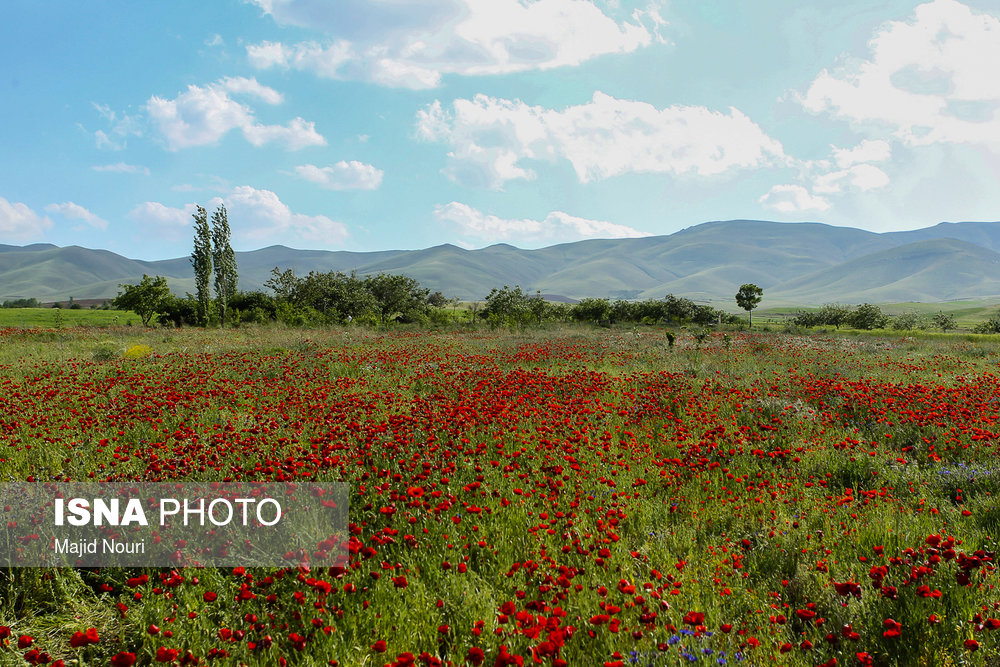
pixel 990 326
pixel 105 352
pixel 138 351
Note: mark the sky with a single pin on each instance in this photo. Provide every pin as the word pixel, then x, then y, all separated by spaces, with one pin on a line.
pixel 402 124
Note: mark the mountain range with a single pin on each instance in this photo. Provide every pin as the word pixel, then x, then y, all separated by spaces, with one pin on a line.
pixel 795 263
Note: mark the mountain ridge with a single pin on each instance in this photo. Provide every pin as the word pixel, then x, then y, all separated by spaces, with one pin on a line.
pixel 804 263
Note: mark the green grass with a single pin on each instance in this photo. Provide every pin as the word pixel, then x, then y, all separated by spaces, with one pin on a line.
pixel 53 318
pixel 967 313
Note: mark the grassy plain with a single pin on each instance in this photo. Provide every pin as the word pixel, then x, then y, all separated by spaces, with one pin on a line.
pixel 51 318
pixel 564 496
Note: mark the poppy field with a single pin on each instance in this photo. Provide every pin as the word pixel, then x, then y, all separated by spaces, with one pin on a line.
pixel 561 497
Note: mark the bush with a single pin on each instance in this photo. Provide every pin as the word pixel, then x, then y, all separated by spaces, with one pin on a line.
pixel 138 351
pixel 105 352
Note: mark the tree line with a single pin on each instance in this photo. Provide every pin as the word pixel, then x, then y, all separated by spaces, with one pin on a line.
pixel 868 316
pixel 512 307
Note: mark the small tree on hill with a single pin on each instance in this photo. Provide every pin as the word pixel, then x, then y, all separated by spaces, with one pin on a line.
pixel 868 316
pixel 144 299
pixel 748 297
pixel 944 321
pixel 834 314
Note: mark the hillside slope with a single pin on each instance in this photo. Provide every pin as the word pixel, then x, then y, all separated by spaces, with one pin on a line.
pixel 795 263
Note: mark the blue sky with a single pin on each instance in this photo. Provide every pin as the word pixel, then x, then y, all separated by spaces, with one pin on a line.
pixel 378 124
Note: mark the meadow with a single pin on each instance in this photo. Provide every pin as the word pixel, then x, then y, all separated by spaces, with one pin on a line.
pixel 569 496
pixel 56 318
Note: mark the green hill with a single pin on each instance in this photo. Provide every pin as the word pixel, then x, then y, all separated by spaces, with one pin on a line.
pixel 796 263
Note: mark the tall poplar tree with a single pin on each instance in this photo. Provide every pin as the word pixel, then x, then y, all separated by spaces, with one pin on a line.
pixel 224 260
pixel 201 261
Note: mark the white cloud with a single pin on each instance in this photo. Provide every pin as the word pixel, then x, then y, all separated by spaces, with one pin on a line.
pixel 120 128
pixel 159 215
pixel 869 150
pixel 263 215
pixel 556 226
pixel 18 222
pixel 254 215
pixel 343 175
pixel 413 43
pixel 242 85
pixel 863 177
pixel 848 170
pixel 297 134
pixel 604 137
pixel 215 40
pixel 792 199
pixel 204 114
pixel 931 79
pixel 74 211
pixel 121 168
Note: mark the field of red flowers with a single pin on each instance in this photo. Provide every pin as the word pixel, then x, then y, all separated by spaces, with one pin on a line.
pixel 545 498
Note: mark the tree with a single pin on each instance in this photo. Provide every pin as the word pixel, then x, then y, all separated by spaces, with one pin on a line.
pixel 505 306
pixel 834 314
pixel 397 295
pixel 224 261
pixel 284 284
pixel 748 297
pixel 907 322
pixel 868 316
pixel 592 310
pixel 944 321
pixel 678 308
pixel 990 326
pixel 201 261
pixel 538 306
pixel 144 299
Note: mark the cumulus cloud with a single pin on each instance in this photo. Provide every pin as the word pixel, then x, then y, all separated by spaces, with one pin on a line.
pixel 792 199
pixel 254 215
pixel 204 114
pixel 121 168
pixel 266 216
pixel 412 44
pixel 930 79
pixel 19 223
pixel 491 138
pixel 343 175
pixel 847 170
pixel 851 168
pixel 73 211
pixel 869 150
pixel 557 225
pixel 162 216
